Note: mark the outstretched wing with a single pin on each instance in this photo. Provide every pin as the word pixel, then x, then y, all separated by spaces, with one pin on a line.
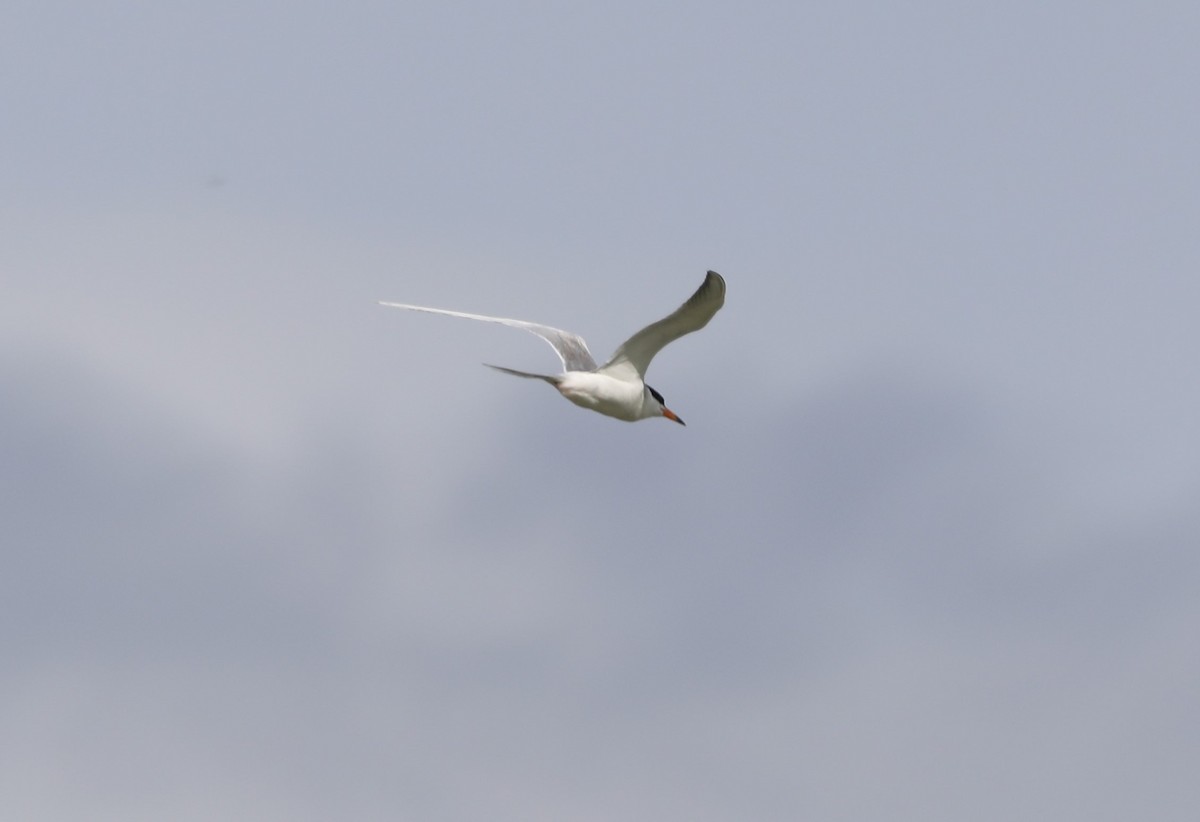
pixel 571 348
pixel 632 358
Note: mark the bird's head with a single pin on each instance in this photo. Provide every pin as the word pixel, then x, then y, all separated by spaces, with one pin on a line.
pixel 657 407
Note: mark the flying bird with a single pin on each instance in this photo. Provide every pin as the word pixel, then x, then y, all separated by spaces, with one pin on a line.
pixel 617 388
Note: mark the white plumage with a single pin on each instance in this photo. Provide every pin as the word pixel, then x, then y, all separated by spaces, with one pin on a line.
pixel 617 388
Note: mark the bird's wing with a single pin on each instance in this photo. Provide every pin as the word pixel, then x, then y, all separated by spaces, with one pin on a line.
pixel 632 358
pixel 571 348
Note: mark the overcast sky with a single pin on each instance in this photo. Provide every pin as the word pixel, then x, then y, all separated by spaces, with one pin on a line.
pixel 926 550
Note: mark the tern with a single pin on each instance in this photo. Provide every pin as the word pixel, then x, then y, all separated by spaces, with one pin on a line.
pixel 617 388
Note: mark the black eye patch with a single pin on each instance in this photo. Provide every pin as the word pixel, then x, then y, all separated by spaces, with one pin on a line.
pixel 656 395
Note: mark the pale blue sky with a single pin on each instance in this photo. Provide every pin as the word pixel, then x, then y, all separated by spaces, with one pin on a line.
pixel 925 551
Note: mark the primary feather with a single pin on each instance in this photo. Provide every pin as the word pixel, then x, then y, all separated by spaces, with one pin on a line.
pixel 571 348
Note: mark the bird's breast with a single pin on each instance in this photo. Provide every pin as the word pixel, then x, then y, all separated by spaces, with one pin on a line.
pixel 602 393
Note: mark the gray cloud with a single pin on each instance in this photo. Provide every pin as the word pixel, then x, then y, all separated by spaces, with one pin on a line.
pixel 848 612
pixel 924 551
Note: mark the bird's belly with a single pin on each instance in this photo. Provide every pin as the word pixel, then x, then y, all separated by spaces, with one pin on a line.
pixel 601 393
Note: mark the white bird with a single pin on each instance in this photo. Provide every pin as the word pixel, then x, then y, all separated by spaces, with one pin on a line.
pixel 617 388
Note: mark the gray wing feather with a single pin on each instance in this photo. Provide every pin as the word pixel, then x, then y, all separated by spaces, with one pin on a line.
pixel 571 348
pixel 632 358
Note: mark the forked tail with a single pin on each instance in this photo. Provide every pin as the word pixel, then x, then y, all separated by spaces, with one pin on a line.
pixel 553 379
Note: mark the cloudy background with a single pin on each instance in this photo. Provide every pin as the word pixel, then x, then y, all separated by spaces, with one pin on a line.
pixel 927 549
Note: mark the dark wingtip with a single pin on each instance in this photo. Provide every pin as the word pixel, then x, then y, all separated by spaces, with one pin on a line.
pixel 712 282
